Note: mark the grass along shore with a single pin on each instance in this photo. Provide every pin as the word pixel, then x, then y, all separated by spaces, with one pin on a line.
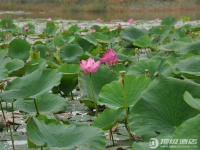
pixel 101 6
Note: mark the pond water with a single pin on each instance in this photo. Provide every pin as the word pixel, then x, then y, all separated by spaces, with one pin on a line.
pixel 194 15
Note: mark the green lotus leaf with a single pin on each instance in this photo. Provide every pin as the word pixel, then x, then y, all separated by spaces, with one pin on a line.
pixel 143 42
pixel 7 24
pixel 50 29
pixel 99 79
pixel 13 65
pixel 68 136
pixel 70 77
pixel 93 37
pixel 71 53
pixel 153 66
pixel 31 85
pixel 111 95
pixel 47 103
pixel 58 40
pixel 159 33
pixel 87 46
pixel 2 56
pixel 19 48
pixel 188 130
pixel 189 67
pixel 170 21
pixel 131 34
pixel 109 118
pixel 73 29
pixel 180 47
pixel 3 73
pixel 45 52
pixel 162 108
pixel 193 102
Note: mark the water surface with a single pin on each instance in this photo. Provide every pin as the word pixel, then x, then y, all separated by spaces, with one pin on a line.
pixel 194 15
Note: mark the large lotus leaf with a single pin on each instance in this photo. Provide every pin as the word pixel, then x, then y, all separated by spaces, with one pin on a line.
pixel 50 29
pixel 45 52
pixel 172 46
pixel 87 46
pixel 143 42
pixel 3 73
pixel 73 29
pixel 71 53
pixel 70 77
pixel 189 67
pixel 47 103
pixel 69 68
pixel 99 79
pixel 180 33
pixel 112 94
pixel 7 24
pixel 131 34
pixel 58 40
pixel 189 130
pixel 68 136
pixel 109 118
pixel 153 66
pixel 13 65
pixel 181 47
pixel 159 33
pixel 19 48
pixel 193 102
pixel 162 108
pixel 31 85
pixel 170 21
pixel 2 56
pixel 94 37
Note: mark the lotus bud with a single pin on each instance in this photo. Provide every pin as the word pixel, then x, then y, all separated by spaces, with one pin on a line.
pixel 147 73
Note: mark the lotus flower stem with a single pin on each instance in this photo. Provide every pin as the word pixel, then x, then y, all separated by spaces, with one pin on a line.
pixel 126 108
pixel 4 117
pixel 36 107
pixel 13 115
pixel 11 135
pixel 93 98
pixel 111 137
pixel 72 95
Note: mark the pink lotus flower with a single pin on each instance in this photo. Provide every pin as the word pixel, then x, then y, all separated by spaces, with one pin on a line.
pixel 156 20
pixel 26 28
pixel 110 57
pixel 6 24
pixel 98 20
pixel 89 66
pixel 7 36
pixel 93 30
pixel 49 19
pixel 119 26
pixel 111 22
pixel 131 20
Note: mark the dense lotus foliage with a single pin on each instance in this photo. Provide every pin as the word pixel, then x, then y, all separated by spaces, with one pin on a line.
pixel 136 84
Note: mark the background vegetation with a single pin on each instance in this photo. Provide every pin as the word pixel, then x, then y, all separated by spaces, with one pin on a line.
pixel 99 5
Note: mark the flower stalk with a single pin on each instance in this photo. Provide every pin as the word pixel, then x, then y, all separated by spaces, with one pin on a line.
pixel 93 97
pixel 36 107
pixel 122 73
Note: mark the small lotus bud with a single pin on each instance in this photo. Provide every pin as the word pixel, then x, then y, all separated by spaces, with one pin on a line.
pixel 147 73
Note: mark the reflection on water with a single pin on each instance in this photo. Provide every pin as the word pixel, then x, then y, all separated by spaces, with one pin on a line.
pixel 194 15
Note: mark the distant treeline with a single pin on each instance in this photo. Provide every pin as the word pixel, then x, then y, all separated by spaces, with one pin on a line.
pixel 99 5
